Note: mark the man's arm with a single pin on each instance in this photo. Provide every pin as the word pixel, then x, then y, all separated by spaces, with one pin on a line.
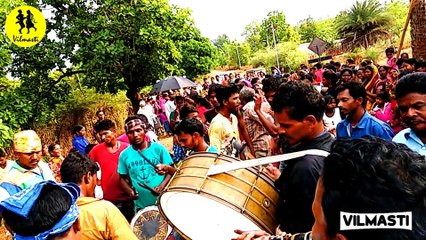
pixel 125 184
pixel 163 184
pixel 243 130
pixel 269 126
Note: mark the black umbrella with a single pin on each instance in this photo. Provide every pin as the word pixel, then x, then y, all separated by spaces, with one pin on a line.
pixel 172 83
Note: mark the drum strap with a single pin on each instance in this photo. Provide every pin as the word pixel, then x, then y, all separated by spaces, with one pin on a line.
pixel 146 159
pixel 226 167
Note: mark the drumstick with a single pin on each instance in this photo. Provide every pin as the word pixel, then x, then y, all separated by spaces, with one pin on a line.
pixel 226 167
pixel 153 192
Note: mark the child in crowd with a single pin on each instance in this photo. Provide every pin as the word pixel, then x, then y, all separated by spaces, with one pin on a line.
pixel 163 120
pixel 331 115
pixel 382 108
pixel 45 153
pixel 55 160
pixel 395 122
pixel 391 58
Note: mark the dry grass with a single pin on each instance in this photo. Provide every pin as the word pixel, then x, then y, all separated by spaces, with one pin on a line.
pixel 115 109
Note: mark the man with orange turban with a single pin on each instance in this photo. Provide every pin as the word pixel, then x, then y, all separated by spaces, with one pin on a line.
pixel 27 170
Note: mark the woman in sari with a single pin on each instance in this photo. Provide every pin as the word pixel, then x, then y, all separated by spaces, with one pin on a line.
pixel 371 77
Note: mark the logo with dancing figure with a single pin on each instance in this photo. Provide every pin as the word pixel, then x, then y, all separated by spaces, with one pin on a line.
pixel 25 26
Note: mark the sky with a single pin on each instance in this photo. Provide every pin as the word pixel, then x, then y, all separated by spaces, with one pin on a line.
pixel 217 17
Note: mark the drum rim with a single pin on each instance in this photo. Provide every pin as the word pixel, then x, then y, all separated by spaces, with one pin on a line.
pixel 247 214
pixel 160 209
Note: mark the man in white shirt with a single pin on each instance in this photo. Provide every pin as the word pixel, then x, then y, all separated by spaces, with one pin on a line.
pixel 170 106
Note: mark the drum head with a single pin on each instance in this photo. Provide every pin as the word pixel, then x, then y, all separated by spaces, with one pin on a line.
pixel 148 224
pixel 199 217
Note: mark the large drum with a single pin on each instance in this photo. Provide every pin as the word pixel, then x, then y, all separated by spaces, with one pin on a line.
pixel 204 207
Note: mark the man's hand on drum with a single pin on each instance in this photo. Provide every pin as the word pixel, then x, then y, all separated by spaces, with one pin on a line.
pixel 251 235
pixel 272 172
pixel 163 169
pixel 160 188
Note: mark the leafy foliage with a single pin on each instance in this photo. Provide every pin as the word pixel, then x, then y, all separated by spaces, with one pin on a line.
pixel 15 110
pixel 113 45
pixel 288 54
pixel 364 23
pixel 6 135
pixel 397 10
pixel 323 29
pixel 199 56
pixel 283 31
pixel 253 37
pixel 220 43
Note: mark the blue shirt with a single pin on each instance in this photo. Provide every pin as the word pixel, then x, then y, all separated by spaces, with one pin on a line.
pixel 411 140
pixel 368 125
pixel 80 143
pixel 141 171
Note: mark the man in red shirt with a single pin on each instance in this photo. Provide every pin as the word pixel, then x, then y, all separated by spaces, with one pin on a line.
pixel 106 155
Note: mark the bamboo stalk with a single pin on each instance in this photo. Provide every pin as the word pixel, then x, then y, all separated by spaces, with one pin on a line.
pixel 401 42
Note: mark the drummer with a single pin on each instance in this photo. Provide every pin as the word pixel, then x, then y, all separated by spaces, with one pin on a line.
pixel 298 109
pixel 366 175
pixel 190 134
pixel 136 165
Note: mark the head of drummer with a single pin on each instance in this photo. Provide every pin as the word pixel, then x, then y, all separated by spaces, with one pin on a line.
pixel 375 176
pixel 136 128
pixel 299 109
pixel 190 134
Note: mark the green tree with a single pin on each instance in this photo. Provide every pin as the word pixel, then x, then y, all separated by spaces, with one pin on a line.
pixel 199 56
pixel 289 56
pixel 113 45
pixel 397 10
pixel 235 50
pixel 253 37
pixel 283 32
pixel 307 29
pixel 364 23
pixel 219 43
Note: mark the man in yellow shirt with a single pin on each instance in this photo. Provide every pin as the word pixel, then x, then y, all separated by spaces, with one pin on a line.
pixel 99 219
pixel 223 130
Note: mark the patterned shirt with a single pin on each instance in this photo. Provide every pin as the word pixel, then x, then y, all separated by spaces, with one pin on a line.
pixel 19 178
pixel 258 134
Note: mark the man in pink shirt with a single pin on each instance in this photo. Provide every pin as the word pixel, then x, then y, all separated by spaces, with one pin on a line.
pixel 162 101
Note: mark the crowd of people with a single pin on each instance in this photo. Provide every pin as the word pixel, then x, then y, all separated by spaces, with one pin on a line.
pixel 371 119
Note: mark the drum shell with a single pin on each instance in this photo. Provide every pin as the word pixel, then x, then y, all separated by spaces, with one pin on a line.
pixel 245 190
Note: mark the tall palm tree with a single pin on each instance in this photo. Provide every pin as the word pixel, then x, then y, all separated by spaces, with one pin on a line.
pixel 418 30
pixel 363 24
